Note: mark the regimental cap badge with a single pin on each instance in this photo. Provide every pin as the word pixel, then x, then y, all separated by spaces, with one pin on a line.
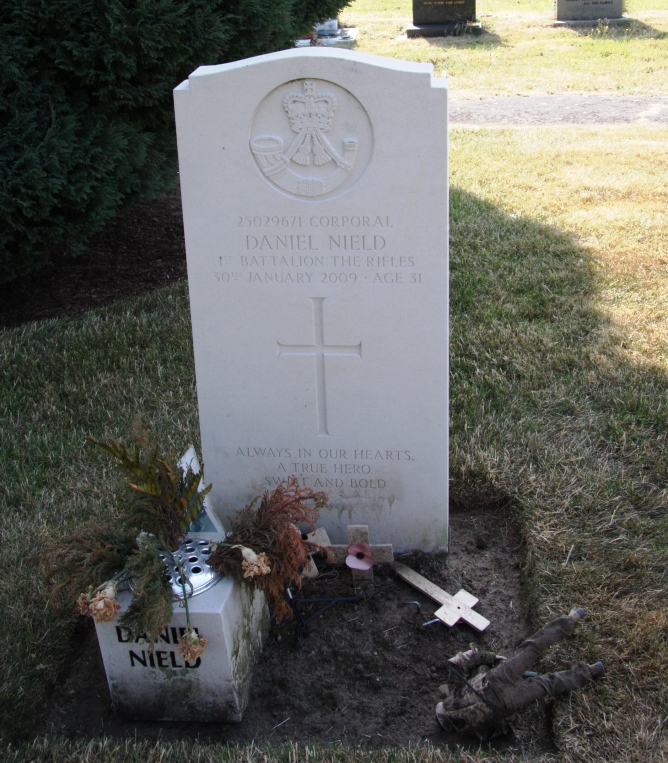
pixel 310 115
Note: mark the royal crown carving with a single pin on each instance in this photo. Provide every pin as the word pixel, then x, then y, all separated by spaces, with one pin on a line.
pixel 310 116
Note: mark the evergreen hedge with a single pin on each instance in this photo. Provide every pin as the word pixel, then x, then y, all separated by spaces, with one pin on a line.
pixel 86 115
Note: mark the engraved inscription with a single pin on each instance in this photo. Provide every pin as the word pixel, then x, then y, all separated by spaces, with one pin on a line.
pixel 315 221
pixel 319 351
pixel 275 242
pixel 318 249
pixel 356 468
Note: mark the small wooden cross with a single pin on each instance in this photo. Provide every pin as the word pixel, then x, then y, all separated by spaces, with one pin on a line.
pixel 453 608
pixel 381 553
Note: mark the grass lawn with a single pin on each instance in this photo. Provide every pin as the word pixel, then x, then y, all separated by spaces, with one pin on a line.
pixel 559 365
pixel 522 53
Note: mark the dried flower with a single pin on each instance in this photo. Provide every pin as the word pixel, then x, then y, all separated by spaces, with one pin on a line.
pixel 104 605
pixel 83 605
pixel 254 564
pixel 191 645
pixel 359 557
pixel 261 567
pixel 273 528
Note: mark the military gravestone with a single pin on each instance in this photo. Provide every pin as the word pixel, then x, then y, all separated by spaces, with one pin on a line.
pixel 315 202
pixel 436 18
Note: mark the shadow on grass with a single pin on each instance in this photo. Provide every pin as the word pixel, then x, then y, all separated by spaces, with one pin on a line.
pixel 541 386
pixel 547 411
pixel 633 30
pixel 556 413
pixel 469 41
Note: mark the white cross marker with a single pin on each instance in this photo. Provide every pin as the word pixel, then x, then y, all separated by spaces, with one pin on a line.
pixel 319 350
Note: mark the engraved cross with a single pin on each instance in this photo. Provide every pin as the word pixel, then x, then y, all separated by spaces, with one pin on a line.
pixel 319 350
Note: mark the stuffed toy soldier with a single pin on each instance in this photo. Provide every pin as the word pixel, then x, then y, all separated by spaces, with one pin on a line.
pixel 485 689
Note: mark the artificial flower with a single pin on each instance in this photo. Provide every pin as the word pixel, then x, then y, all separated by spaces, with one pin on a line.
pixel 191 645
pixel 359 557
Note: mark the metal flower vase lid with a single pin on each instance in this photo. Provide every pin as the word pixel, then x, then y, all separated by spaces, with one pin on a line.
pixel 191 554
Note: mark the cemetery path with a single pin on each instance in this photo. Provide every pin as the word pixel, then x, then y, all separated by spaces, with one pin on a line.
pixel 570 109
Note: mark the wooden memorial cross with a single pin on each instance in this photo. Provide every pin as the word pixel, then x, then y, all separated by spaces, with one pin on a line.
pixel 453 608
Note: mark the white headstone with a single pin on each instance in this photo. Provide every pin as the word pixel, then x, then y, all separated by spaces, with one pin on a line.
pixel 315 202
pixel 575 10
pixel 159 685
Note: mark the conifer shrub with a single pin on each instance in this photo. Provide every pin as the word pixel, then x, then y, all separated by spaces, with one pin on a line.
pixel 86 116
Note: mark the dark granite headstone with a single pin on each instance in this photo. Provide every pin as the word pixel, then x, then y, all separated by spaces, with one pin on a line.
pixel 587 9
pixel 434 18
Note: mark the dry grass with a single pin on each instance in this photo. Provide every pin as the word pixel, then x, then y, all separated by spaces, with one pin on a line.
pixel 109 751
pixel 521 52
pixel 560 368
pixel 559 406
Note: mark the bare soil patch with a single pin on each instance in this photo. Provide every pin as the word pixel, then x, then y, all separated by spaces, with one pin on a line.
pixel 366 674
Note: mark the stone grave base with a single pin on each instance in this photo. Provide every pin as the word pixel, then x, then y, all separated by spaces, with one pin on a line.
pixel 592 22
pixel 450 29
pixel 161 686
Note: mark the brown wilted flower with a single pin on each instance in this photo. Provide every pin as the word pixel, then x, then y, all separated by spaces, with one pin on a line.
pixel 104 605
pixel 273 529
pixel 254 564
pixel 83 605
pixel 191 646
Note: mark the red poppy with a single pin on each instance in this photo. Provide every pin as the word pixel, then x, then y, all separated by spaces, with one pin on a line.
pixel 359 557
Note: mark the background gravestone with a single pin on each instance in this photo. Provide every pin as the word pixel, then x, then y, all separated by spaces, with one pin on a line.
pixel 436 18
pixel 329 33
pixel 575 10
pixel 315 201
